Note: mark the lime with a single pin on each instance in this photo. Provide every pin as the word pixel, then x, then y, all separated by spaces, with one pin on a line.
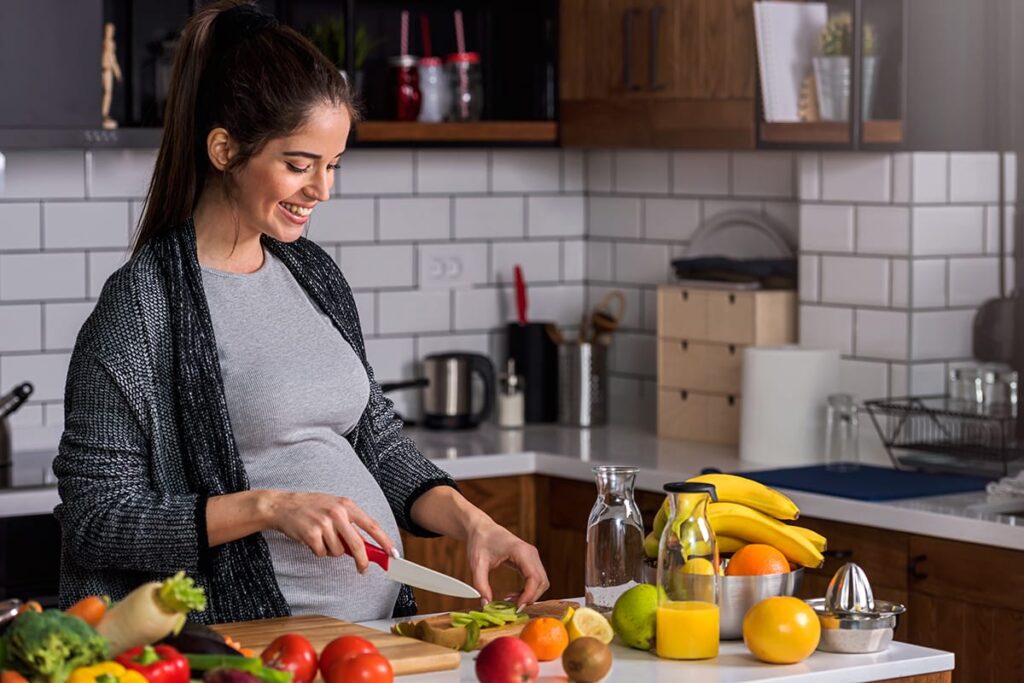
pixel 634 614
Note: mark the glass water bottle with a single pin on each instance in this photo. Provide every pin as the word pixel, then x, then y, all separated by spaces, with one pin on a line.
pixel 687 618
pixel 615 538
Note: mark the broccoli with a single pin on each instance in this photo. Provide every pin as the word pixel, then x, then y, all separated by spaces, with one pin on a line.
pixel 48 646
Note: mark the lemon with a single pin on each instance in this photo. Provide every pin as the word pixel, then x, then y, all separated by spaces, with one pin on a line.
pixel 568 615
pixel 781 630
pixel 588 622
pixel 634 615
pixel 699 565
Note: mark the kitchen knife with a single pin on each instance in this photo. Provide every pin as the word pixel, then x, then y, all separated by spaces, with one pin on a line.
pixel 418 576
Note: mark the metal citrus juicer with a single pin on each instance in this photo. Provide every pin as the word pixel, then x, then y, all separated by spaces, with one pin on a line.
pixel 852 620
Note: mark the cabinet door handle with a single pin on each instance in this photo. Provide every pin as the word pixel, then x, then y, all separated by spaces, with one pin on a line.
pixel 627 49
pixel 913 567
pixel 652 65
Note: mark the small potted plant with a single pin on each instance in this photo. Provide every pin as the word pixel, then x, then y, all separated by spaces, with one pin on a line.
pixel 833 70
pixel 330 38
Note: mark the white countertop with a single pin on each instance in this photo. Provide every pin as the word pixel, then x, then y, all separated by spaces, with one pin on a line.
pixel 572 453
pixel 734 664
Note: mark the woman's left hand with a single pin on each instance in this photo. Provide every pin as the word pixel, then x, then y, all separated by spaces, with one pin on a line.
pixel 489 545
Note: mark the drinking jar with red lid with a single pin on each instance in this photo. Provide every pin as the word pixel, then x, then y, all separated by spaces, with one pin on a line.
pixel 466 83
pixel 405 87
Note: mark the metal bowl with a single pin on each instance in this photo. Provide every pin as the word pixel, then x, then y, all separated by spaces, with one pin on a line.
pixel 856 633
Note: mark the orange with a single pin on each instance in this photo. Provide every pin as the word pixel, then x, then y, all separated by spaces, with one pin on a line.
pixel 757 559
pixel 781 630
pixel 546 636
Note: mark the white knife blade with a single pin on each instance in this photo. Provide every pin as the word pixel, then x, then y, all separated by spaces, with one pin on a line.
pixel 416 575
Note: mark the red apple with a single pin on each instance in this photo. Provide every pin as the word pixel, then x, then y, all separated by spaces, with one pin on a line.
pixel 507 660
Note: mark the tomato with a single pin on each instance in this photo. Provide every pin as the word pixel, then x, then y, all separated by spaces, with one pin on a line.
pixel 364 668
pixel 294 653
pixel 343 648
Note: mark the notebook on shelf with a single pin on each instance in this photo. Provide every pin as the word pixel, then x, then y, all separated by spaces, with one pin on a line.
pixel 787 37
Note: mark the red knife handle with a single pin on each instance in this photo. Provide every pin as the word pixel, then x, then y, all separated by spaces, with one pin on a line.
pixel 373 553
pixel 520 294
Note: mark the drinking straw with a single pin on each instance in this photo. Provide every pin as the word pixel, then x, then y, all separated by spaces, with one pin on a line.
pixel 405 32
pixel 425 32
pixel 459 35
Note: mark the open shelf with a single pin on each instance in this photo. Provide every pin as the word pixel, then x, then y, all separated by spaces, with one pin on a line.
pixel 875 132
pixel 478 131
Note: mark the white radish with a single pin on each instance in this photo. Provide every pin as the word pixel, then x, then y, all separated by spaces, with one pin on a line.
pixel 150 612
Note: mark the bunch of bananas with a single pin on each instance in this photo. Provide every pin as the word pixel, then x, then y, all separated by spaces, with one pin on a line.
pixel 749 512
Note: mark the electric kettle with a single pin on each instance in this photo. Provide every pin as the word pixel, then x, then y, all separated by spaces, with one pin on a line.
pixel 8 404
pixel 448 394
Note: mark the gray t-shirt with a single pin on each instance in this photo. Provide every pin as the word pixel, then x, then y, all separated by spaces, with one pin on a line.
pixel 294 388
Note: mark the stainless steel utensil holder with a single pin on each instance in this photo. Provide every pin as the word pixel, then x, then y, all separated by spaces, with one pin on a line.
pixel 583 384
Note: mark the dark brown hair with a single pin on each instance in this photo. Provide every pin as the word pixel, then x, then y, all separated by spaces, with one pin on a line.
pixel 235 68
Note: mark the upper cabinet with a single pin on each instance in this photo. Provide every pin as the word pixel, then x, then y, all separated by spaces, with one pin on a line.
pixel 665 73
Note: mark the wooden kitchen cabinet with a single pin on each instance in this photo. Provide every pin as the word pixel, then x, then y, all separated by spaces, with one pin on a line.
pixel 657 73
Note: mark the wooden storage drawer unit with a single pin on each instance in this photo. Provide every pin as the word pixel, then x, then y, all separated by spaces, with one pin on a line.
pixel 684 414
pixel 714 368
pixel 682 313
pixel 758 317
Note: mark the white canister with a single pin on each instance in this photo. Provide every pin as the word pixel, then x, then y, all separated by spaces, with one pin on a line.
pixel 434 91
pixel 785 390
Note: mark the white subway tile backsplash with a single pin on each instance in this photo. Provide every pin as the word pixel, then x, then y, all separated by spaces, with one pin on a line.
pixel 822 327
pixel 635 354
pixel 974 177
pixel 600 261
pixel 900 283
pixel 573 170
pixel 46 371
pixel 367 308
pixel 763 174
pixel 119 173
pixel 19 225
pixel 899 380
pixel 642 263
pixel 343 220
pixel 852 280
pixel 555 216
pixel 864 379
pixel 561 304
pixel 35 277
pixel 881 334
pixel 992 245
pixel 786 219
pixel 1010 177
pixel 22 327
pixel 531 170
pixel 599 168
pixel 540 261
pixel 489 217
pixel 929 283
pixel 713 208
pixel 948 230
pixel 102 264
pixel 856 177
pixel 487 308
pixel 1009 267
pixel 810 277
pixel 825 227
pixel 942 335
pixel 927 379
pixel 671 219
pixel 808 165
pixel 902 177
pixel 85 225
pixel 700 173
pixel 883 230
pixel 375 172
pixel 451 171
pixel 44 174
pixel 973 280
pixel 930 177
pixel 649 323
pixel 613 217
pixel 413 311
pixel 27 416
pixel 392 359
pixel 415 218
pixel 367 267
pixel 574 260
pixel 460 343
pixel 452 264
pixel 62 323
pixel 642 172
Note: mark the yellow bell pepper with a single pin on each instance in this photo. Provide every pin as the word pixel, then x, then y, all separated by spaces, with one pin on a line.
pixel 105 672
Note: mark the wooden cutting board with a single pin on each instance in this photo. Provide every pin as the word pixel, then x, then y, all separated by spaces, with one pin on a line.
pixel 407 655
pixel 547 608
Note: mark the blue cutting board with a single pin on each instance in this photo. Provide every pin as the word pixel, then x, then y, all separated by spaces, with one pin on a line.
pixel 867 482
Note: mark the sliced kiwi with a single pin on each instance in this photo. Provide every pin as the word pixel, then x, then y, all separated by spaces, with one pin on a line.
pixel 405 628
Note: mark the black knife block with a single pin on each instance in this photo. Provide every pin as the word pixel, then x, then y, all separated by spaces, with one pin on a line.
pixel 536 357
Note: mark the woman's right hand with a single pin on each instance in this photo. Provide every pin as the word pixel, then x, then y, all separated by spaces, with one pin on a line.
pixel 320 521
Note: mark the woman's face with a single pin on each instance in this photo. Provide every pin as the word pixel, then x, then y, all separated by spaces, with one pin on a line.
pixel 278 188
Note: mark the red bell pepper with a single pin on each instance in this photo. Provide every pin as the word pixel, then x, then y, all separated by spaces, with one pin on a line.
pixel 159 664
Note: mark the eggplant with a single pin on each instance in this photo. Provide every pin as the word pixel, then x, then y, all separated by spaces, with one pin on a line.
pixel 226 675
pixel 199 639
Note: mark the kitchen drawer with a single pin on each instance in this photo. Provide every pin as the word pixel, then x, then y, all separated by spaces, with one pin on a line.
pixel 967 572
pixel 731 317
pixel 682 313
pixel 710 418
pixel 715 368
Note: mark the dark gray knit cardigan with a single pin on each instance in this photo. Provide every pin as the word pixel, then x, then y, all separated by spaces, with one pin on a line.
pixel 147 437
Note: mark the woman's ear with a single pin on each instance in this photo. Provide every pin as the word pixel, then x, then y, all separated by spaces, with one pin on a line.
pixel 219 148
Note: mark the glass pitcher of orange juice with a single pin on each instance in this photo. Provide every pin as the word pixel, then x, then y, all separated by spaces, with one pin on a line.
pixel 687 616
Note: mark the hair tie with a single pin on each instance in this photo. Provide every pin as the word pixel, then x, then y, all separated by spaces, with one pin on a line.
pixel 238 23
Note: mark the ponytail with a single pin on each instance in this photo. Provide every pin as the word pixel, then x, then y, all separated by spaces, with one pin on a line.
pixel 238 69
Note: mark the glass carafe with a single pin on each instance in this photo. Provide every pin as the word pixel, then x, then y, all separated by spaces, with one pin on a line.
pixel 687 619
pixel 615 538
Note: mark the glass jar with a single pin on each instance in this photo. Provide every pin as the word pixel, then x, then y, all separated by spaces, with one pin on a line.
pixel 434 90
pixel 615 538
pixel 842 431
pixel 405 88
pixel 688 570
pixel 466 86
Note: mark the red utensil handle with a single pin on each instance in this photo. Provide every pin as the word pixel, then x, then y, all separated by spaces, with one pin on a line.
pixel 520 295
pixel 373 553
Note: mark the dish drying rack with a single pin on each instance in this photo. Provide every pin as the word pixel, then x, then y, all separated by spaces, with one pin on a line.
pixel 943 434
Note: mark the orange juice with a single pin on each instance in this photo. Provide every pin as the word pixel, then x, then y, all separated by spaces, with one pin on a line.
pixel 687 630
